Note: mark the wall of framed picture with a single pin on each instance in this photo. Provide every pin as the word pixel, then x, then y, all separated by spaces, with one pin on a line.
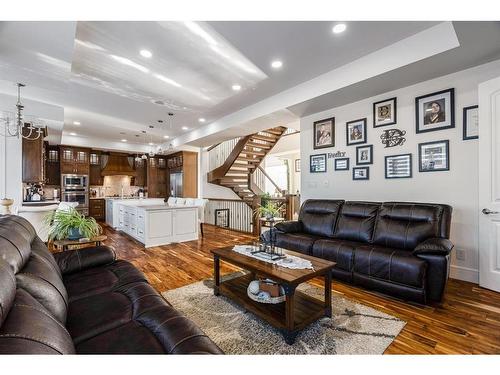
pixel 417 143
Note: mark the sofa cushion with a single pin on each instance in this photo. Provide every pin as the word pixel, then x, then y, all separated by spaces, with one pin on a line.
pixel 318 216
pixel 101 279
pixel 338 251
pixel 405 225
pixel 16 235
pixel 300 242
pixel 7 289
pixel 137 312
pixel 392 265
pixel 40 279
pixel 356 221
pixel 30 328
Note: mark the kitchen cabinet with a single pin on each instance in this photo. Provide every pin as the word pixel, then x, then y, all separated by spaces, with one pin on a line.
pixel 33 158
pixel 74 160
pixel 52 165
pixel 157 177
pixel 95 169
pixel 184 162
pixel 97 209
pixel 141 173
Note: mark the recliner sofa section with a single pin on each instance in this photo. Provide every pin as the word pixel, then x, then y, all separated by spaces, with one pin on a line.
pixel 398 248
pixel 83 301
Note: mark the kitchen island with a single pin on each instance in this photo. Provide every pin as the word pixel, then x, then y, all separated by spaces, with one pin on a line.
pixel 157 224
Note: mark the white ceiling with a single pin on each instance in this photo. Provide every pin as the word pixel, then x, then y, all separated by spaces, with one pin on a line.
pixel 94 72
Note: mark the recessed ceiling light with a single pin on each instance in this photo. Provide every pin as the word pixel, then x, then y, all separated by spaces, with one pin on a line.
pixel 124 140
pixel 166 136
pixel 73 134
pixel 76 123
pixel 236 87
pixel 151 143
pixel 145 53
pixel 276 64
pixel 185 128
pixel 201 119
pixel 339 28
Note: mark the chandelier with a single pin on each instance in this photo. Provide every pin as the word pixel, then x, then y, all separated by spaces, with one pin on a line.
pixel 19 125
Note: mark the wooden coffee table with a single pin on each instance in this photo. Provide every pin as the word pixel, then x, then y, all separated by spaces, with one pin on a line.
pixel 78 244
pixel 289 317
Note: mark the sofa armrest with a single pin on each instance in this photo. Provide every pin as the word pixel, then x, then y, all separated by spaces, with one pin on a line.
pixel 78 260
pixel 289 226
pixel 434 246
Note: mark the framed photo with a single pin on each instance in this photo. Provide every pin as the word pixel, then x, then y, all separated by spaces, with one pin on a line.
pixel 435 111
pixel 385 112
pixel 361 173
pixel 364 155
pixel 434 156
pixel 317 163
pixel 222 217
pixel 355 132
pixel 471 122
pixel 324 133
pixel 398 166
pixel 341 164
pixel 297 165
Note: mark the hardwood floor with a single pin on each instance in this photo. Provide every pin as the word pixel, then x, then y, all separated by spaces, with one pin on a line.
pixel 467 321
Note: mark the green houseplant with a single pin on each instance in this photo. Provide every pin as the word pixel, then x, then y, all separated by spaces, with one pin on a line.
pixel 269 211
pixel 71 225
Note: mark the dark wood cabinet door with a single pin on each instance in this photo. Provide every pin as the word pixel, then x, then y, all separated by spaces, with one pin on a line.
pixel 33 157
pixel 52 166
pixel 97 209
pixel 95 175
pixel 141 173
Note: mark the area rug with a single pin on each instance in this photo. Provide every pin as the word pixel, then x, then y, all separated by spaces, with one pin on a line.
pixel 353 328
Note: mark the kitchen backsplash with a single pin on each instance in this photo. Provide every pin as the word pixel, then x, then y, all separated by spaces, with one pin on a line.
pixel 113 186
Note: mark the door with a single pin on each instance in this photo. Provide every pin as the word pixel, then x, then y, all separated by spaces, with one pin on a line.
pixel 489 184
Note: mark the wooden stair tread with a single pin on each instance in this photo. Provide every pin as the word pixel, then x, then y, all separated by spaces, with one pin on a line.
pixel 261 137
pixel 242 158
pixel 258 145
pixel 258 153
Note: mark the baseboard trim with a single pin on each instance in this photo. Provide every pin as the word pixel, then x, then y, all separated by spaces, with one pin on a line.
pixel 464 273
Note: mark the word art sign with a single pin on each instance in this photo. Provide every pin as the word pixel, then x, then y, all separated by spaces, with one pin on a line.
pixel 338 154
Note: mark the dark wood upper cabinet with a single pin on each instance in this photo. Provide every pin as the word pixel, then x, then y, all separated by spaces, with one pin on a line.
pixel 187 163
pixel 95 169
pixel 140 178
pixel 74 160
pixel 52 165
pixel 33 155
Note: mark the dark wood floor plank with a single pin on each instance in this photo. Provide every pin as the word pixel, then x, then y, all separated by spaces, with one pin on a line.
pixel 467 321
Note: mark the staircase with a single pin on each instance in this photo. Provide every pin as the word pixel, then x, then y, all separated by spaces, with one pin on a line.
pixel 243 163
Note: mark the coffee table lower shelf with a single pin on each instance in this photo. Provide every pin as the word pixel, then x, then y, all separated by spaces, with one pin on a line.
pixel 305 309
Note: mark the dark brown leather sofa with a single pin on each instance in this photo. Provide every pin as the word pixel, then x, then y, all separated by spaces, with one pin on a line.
pixel 398 248
pixel 83 301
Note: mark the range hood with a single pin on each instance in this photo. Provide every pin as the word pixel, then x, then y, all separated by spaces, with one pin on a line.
pixel 118 165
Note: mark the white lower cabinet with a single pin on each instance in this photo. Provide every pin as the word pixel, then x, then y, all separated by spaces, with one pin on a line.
pixel 159 224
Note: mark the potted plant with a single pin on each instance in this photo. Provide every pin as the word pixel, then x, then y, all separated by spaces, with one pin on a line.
pixel 71 225
pixel 269 211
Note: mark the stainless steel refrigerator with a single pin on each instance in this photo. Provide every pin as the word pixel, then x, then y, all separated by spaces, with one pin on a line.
pixel 176 184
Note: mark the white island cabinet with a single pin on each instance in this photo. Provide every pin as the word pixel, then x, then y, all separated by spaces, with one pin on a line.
pixel 160 224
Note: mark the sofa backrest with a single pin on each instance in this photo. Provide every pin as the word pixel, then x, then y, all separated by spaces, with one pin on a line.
pixel 356 221
pixel 32 264
pixel 404 225
pixel 318 216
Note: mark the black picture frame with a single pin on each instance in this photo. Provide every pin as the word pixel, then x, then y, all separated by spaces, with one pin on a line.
pixel 394 118
pixel 337 168
pixel 326 122
pixel 297 165
pixel 421 167
pixel 419 100
pixel 222 214
pixel 361 121
pixel 358 159
pixel 318 170
pixel 355 169
pixel 465 111
pixel 410 164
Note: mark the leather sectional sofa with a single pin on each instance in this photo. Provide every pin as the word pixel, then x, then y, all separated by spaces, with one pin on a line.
pixel 83 301
pixel 398 248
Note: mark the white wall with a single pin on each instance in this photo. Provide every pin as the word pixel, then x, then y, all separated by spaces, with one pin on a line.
pixel 211 190
pixel 457 187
